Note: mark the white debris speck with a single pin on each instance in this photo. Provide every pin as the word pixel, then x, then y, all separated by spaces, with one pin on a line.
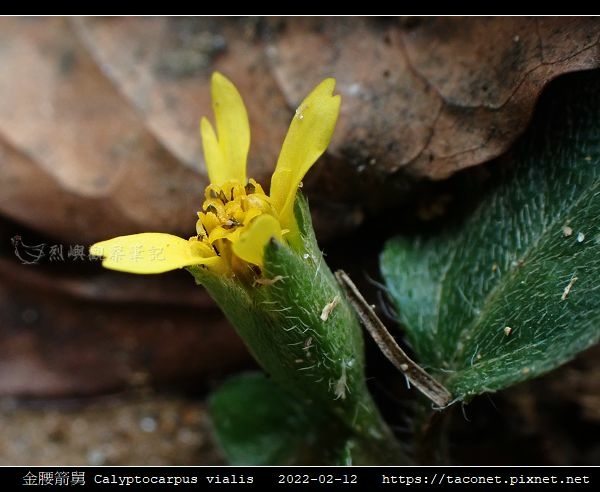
pixel 507 330
pixel 568 288
pixel 272 51
pixel 329 307
pixel 354 89
pixel 580 237
pixel 567 231
pixel 148 424
pixel 299 112
pixel 341 385
pixel 308 343
pixel 96 457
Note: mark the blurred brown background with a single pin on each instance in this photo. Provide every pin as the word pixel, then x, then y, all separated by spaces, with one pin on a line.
pixel 99 137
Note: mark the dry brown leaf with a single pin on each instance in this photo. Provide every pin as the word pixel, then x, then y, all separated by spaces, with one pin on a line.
pixel 431 95
pixel 104 111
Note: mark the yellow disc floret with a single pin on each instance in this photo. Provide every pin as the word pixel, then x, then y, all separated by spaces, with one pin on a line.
pixel 226 211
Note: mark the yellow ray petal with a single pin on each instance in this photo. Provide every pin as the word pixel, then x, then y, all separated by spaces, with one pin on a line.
pixel 226 151
pixel 307 138
pixel 251 244
pixel 212 152
pixel 150 252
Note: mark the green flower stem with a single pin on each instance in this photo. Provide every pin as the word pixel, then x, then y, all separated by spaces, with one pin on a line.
pixel 298 325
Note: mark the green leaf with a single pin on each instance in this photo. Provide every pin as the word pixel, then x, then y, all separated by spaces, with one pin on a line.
pixel 514 290
pixel 257 423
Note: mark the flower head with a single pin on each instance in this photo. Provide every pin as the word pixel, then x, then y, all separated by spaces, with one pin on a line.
pixel 237 218
pixel 279 316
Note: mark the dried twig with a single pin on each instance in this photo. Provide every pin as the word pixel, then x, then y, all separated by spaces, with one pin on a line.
pixel 425 383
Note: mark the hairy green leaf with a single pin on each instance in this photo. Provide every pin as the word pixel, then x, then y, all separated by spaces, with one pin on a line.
pixel 513 291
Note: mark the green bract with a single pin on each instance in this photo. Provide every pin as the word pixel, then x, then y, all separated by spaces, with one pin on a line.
pixel 300 328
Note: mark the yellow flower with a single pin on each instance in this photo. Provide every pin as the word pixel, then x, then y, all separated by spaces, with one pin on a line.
pixel 237 218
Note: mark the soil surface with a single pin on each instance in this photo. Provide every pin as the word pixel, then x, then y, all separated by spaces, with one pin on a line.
pixel 116 430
